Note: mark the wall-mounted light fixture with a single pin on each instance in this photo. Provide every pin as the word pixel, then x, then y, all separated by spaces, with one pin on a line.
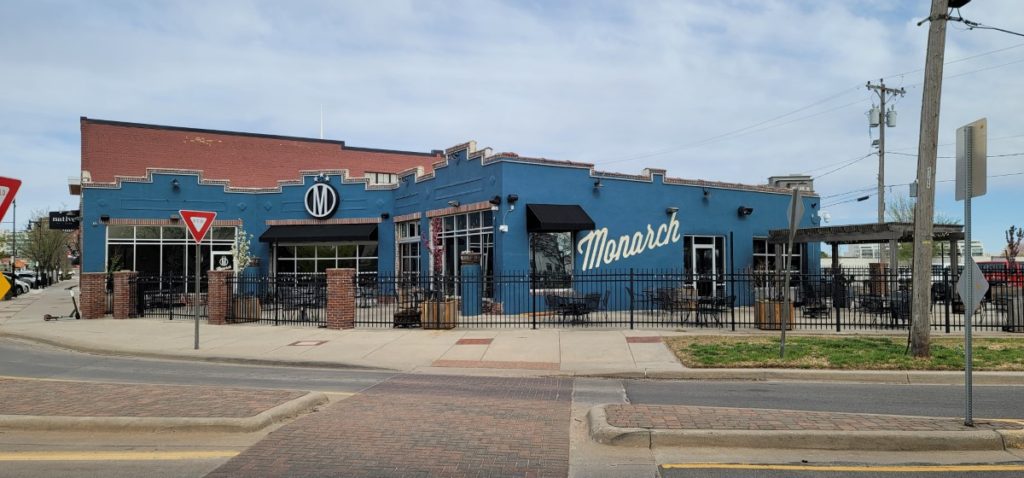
pixel 707 193
pixel 597 184
pixel 744 211
pixel 175 184
pixel 512 198
pixel 671 210
pixel 175 217
pixel 453 203
pixel 496 200
pixel 104 218
pixel 384 215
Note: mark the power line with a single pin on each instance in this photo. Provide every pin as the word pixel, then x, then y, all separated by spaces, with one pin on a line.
pixel 848 164
pixel 890 186
pixel 747 129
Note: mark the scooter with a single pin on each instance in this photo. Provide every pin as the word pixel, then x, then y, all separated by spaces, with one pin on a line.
pixel 74 311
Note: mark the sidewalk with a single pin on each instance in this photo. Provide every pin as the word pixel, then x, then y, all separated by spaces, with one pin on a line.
pixel 691 426
pixel 582 352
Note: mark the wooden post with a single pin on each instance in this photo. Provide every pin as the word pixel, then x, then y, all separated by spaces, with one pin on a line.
pixel 925 209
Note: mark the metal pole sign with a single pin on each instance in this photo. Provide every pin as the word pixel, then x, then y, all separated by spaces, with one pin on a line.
pixel 796 211
pixel 198 224
pixel 971 146
pixel 8 188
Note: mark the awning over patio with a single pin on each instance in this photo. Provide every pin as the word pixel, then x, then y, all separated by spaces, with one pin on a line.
pixel 557 218
pixel 320 233
pixel 872 233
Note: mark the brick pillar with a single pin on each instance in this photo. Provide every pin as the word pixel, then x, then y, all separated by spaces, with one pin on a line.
pixel 341 299
pixel 124 294
pixel 219 297
pixel 92 299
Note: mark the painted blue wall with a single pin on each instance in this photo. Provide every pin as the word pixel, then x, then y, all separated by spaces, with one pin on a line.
pixel 623 206
pixel 159 199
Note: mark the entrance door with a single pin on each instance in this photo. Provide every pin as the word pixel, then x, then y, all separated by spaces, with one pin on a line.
pixel 704 268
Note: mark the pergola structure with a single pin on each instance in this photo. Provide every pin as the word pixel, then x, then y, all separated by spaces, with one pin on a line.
pixel 892 233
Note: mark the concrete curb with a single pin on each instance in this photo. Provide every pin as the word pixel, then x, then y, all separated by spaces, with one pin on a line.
pixel 861 376
pixel 284 411
pixel 602 432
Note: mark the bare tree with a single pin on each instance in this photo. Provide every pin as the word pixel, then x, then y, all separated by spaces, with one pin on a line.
pixel 46 247
pixel 1014 236
pixel 901 209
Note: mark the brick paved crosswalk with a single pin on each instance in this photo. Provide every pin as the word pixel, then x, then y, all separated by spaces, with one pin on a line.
pixel 425 425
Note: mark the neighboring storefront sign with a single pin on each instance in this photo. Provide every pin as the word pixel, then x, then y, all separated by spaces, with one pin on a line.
pixel 64 220
pixel 321 199
pixel 598 249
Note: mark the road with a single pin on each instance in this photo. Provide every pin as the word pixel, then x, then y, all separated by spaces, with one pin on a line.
pixel 498 426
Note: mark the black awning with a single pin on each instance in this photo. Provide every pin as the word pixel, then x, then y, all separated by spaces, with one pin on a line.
pixel 557 218
pixel 320 233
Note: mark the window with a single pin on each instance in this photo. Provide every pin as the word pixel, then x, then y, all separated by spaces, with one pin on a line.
pixel 382 178
pixel 408 234
pixel 162 250
pixel 764 255
pixel 460 233
pixel 318 257
pixel 551 258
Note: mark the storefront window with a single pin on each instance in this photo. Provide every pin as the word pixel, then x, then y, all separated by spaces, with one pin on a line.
pixel 317 258
pixel 764 256
pixel 161 250
pixel 408 234
pixel 466 233
pixel 551 257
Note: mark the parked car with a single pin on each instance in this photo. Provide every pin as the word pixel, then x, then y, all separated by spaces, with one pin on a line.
pixel 18 286
pixel 1002 272
pixel 31 278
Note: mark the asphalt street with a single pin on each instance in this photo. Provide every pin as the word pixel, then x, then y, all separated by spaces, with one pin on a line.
pixel 826 472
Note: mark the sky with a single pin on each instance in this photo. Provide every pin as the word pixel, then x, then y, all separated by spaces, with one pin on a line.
pixel 731 91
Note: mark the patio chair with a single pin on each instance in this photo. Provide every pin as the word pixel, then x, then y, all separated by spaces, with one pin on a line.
pixel 641 303
pixel 813 303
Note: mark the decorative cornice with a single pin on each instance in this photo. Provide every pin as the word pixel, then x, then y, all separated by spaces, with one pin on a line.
pixel 313 222
pixel 150 172
pixel 477 206
pixel 167 222
pixel 408 217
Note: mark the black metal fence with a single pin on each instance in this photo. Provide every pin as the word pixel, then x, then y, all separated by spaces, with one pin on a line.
pixel 850 299
pixel 296 299
pixel 169 297
pixel 109 295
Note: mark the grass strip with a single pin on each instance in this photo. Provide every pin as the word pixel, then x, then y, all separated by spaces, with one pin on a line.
pixel 844 353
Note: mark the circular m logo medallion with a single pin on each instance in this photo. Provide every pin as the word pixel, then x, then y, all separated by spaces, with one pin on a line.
pixel 321 200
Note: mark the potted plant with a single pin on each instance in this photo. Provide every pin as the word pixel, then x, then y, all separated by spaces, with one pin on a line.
pixel 246 301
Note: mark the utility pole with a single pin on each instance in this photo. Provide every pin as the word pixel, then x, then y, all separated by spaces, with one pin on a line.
pixel 884 119
pixel 926 150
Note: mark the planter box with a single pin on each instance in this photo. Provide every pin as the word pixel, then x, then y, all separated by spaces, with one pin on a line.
pixel 769 315
pixel 439 314
pixel 246 309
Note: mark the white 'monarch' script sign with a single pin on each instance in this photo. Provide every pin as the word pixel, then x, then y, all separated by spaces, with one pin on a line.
pixel 597 249
pixel 321 200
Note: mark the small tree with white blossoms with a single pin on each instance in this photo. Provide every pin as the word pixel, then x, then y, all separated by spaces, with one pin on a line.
pixel 240 249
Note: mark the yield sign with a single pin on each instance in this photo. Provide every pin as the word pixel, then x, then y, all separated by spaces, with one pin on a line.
pixel 198 222
pixel 8 188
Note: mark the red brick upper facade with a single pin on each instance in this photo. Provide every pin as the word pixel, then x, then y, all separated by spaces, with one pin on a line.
pixel 245 160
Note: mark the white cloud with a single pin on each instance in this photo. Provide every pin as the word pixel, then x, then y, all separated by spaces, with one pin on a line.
pixel 585 81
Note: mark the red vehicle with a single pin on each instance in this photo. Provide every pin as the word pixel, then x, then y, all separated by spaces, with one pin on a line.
pixel 1003 272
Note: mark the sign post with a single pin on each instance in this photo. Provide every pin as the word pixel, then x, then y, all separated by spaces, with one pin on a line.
pixel 971 175
pixel 198 224
pixel 796 211
pixel 8 188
